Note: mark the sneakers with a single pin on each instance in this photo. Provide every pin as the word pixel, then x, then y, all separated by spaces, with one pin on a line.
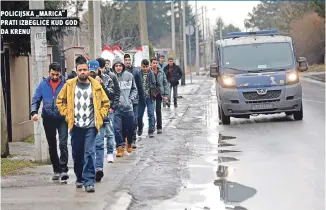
pixel 78 184
pixel 129 148
pixel 110 158
pixel 99 174
pixel 56 176
pixel 159 131
pixel 64 176
pixel 90 189
pixel 120 151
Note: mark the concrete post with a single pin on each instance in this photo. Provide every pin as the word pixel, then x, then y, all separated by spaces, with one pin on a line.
pixel 39 63
pixel 184 43
pixel 173 28
pixel 197 41
pixel 91 46
pixel 143 28
pixel 97 29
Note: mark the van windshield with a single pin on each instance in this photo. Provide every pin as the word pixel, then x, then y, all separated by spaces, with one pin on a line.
pixel 262 56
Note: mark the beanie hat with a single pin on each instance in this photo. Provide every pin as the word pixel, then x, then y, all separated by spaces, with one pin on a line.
pixel 117 60
pixel 93 65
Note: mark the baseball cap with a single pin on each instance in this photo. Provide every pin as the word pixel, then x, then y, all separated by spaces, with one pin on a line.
pixel 93 65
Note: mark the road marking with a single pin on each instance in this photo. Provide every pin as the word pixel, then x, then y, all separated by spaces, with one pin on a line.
pixel 321 102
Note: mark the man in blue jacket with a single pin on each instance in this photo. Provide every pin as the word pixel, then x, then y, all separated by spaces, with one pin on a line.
pixel 53 122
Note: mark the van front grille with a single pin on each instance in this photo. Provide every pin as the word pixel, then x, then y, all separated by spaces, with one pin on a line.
pixel 271 94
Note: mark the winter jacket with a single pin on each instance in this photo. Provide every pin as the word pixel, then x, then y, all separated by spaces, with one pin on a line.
pixel 151 85
pixel 174 76
pixel 138 80
pixel 163 65
pixel 44 93
pixel 66 102
pixel 128 89
pixel 72 75
pixel 111 87
pixel 162 83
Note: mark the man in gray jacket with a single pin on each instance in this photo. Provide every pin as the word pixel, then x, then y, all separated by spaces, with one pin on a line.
pixel 124 115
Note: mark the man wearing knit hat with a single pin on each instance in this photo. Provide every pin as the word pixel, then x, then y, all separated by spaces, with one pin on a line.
pixel 124 116
pixel 137 77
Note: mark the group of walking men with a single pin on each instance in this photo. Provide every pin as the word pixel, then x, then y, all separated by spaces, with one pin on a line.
pixel 98 101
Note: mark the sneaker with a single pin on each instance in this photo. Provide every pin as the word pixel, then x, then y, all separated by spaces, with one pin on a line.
pixel 129 148
pixel 151 135
pixel 134 145
pixel 140 131
pixel 64 176
pixel 110 158
pixel 99 174
pixel 56 176
pixel 168 104
pixel 78 184
pixel 159 131
pixel 120 151
pixel 90 189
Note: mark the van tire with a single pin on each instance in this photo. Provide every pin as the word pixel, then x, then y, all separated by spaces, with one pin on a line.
pixel 298 115
pixel 225 119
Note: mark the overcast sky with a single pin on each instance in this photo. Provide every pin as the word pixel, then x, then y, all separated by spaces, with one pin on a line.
pixel 231 11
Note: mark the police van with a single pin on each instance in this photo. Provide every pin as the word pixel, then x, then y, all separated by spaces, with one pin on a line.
pixel 257 73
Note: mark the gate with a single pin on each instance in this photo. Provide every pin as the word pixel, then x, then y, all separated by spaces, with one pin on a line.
pixel 5 76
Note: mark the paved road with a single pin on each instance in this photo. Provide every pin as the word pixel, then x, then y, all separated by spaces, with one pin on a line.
pixel 267 162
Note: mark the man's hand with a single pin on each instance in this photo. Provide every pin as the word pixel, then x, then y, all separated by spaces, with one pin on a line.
pixel 111 110
pixel 98 79
pixel 35 117
pixel 165 98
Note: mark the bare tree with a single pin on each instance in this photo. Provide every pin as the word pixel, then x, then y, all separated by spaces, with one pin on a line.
pixel 119 23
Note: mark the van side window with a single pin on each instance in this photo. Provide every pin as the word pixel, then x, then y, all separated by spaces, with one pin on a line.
pixel 218 54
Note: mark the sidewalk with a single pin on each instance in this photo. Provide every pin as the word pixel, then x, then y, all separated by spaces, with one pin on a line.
pixel 34 189
pixel 318 76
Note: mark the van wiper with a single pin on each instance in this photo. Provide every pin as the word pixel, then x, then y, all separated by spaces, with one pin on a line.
pixel 264 70
pixel 238 70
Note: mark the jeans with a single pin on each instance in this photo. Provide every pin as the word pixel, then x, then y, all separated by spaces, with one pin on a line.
pixel 134 136
pixel 175 92
pixel 83 154
pixel 158 111
pixel 149 103
pixel 123 127
pixel 107 132
pixel 51 126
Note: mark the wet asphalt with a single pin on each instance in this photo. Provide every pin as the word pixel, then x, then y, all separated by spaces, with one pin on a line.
pixel 263 163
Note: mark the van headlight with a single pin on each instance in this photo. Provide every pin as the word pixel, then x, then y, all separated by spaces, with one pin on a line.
pixel 292 77
pixel 228 81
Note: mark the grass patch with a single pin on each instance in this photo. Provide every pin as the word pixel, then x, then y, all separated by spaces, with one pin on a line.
pixel 12 167
pixel 317 68
pixel 30 139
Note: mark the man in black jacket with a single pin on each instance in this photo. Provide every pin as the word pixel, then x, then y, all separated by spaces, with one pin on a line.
pixel 173 74
pixel 111 87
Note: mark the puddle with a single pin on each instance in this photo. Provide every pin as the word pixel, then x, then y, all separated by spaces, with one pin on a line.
pixel 231 193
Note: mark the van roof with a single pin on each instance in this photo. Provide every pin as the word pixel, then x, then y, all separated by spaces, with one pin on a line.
pixel 253 39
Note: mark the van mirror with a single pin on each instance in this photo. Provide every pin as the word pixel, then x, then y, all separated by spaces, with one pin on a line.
pixel 213 70
pixel 303 64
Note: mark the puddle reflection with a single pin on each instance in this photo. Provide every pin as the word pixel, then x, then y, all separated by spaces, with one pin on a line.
pixel 231 193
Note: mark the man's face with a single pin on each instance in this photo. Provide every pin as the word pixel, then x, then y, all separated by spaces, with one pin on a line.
pixel 107 64
pixel 118 67
pixel 82 72
pixel 145 67
pixel 162 59
pixel 154 64
pixel 171 62
pixel 127 62
pixel 93 74
pixel 54 75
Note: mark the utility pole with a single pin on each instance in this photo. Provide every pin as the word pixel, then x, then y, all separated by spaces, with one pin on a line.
pixel 39 63
pixel 204 37
pixel 91 46
pixel 173 29
pixel 197 41
pixel 143 28
pixel 183 82
pixel 185 54
pixel 78 31
pixel 97 29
